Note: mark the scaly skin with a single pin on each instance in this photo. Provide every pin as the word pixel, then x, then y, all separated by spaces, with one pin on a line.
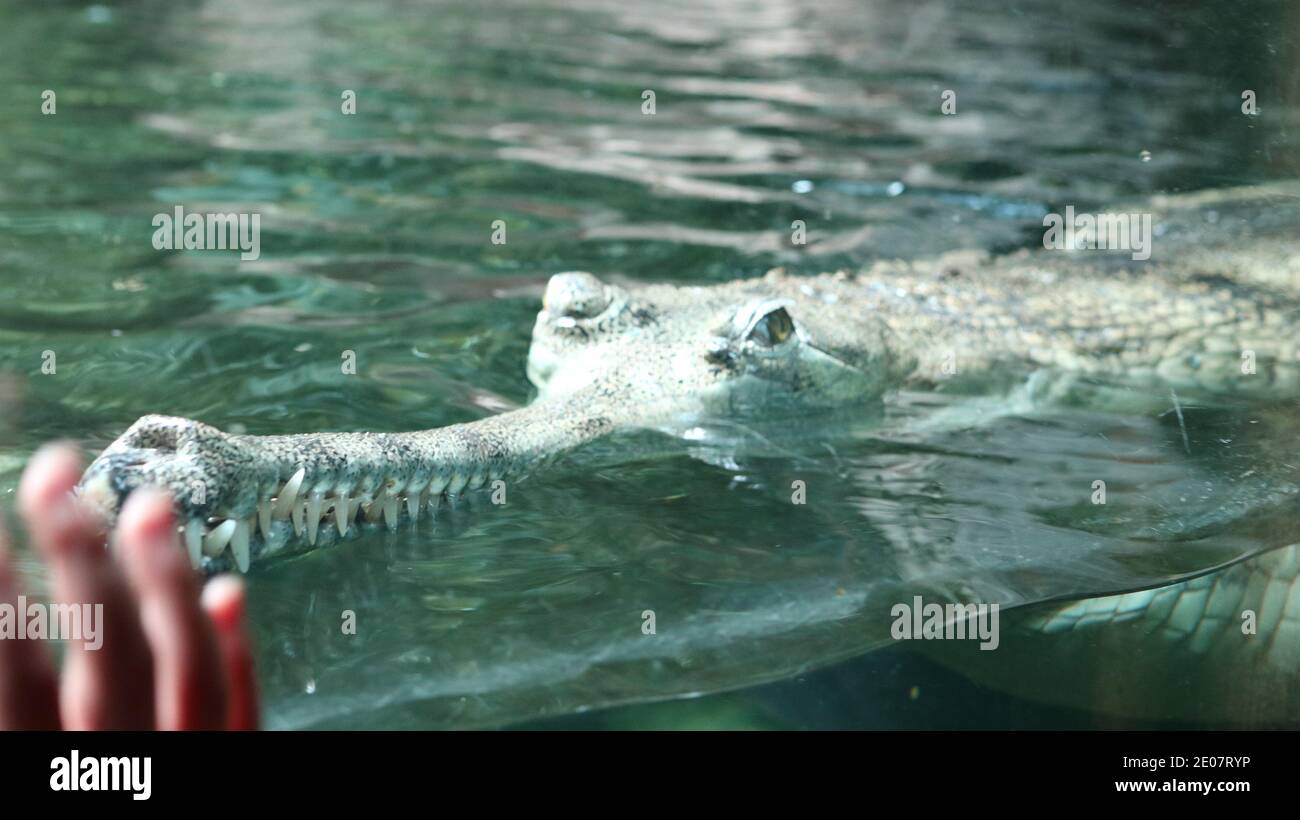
pixel 1221 648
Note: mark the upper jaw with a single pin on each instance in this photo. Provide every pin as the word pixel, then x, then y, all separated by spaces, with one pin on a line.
pixel 212 483
pixel 226 524
pixel 254 517
pixel 239 498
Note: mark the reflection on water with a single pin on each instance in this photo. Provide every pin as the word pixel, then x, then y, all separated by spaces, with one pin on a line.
pixel 376 239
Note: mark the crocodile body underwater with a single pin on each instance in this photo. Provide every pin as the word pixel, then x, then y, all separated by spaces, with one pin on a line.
pixel 605 358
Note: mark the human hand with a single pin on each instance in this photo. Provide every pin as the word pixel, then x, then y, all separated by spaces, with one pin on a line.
pixel 174 654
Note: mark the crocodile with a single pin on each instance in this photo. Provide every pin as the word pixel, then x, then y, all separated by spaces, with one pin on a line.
pixel 607 357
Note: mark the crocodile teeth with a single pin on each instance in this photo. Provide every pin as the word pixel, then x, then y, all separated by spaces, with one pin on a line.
pixel 298 526
pixel 194 541
pixel 285 503
pixel 314 504
pixel 436 486
pixel 413 506
pixel 342 512
pixel 456 484
pixel 214 543
pixel 390 511
pixel 264 519
pixel 239 544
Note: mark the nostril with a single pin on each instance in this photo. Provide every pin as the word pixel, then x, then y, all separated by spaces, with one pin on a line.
pixel 167 434
pixel 576 294
pixel 156 433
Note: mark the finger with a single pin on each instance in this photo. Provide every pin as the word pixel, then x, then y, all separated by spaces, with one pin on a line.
pixel 43 493
pixel 189 686
pixel 223 598
pixel 107 679
pixel 29 689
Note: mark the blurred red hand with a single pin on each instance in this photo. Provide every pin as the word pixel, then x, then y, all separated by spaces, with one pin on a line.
pixel 171 658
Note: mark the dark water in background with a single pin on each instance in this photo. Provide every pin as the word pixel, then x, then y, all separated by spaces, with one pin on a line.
pixel 375 238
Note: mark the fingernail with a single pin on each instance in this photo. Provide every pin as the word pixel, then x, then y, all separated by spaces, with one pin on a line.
pixel 223 598
pixel 50 459
pixel 148 513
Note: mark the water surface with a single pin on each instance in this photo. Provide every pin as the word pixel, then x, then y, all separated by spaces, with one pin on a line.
pixel 376 238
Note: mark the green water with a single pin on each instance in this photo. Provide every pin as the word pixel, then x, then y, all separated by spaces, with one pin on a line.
pixel 376 239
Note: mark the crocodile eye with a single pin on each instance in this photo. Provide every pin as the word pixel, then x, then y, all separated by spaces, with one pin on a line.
pixel 773 329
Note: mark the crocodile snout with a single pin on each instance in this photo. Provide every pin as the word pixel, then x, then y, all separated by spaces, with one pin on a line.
pixel 200 467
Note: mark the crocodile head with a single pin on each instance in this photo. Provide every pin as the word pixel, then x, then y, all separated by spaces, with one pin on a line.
pixel 603 357
pixel 666 355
